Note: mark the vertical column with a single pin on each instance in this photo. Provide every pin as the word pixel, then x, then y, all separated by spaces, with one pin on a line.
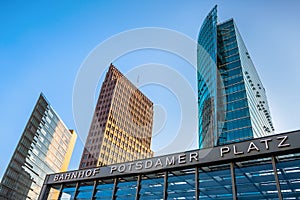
pixel 44 192
pixel 76 190
pixel 60 191
pixel 94 190
pixel 45 189
pixel 233 183
pixel 196 183
pixel 166 186
pixel 276 178
pixel 115 189
pixel 138 187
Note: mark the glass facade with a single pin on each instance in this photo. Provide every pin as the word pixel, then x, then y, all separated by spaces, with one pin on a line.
pixel 207 103
pixel 45 147
pixel 256 180
pixel 215 182
pixel 104 189
pixel 271 172
pixel 181 184
pixel 232 101
pixel 152 186
pixel 289 174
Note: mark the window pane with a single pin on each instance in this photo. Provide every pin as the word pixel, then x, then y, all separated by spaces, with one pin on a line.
pixel 181 184
pixel 288 169
pixel 215 182
pixel 85 191
pixel 54 192
pixel 68 191
pixel 152 186
pixel 127 188
pixel 255 180
pixel 104 189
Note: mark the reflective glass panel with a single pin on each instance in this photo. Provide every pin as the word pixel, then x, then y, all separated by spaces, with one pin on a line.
pixel 85 191
pixel 104 189
pixel 127 188
pixel 152 186
pixel 255 180
pixel 54 192
pixel 181 184
pixel 68 191
pixel 215 182
pixel 288 169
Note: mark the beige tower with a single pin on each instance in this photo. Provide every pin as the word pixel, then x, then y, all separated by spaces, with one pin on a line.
pixel 121 128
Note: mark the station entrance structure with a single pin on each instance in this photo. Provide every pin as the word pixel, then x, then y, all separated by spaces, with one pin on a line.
pixel 262 168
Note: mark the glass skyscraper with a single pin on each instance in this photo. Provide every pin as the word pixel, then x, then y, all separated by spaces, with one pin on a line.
pixel 232 103
pixel 45 146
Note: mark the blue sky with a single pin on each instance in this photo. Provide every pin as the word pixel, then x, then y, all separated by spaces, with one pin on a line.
pixel 43 44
